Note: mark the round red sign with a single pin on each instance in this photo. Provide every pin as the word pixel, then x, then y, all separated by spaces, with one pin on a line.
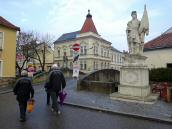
pixel 76 47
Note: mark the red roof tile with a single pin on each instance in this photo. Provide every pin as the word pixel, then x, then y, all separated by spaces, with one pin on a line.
pixel 162 41
pixel 7 24
pixel 89 25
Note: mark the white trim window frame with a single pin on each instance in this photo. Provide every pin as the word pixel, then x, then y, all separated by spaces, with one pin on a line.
pixel 2 46
pixel 1 68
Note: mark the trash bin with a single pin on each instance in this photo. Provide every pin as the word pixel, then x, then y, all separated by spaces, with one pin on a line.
pixel 169 93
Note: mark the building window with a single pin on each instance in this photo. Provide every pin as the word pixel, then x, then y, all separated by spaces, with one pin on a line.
pixel 95 50
pixel 95 65
pixel 101 51
pixel 83 50
pixel 169 65
pixel 71 52
pixel 83 65
pixel 71 65
pixel 1 68
pixel 1 40
pixel 104 53
pixel 58 53
pixel 108 53
pixel 116 58
pixel 101 65
pixel 64 53
pixel 58 64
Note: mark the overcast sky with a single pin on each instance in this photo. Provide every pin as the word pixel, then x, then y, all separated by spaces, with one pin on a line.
pixel 110 16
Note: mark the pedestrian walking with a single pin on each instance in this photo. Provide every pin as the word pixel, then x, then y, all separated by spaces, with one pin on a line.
pixel 24 91
pixel 47 86
pixel 56 82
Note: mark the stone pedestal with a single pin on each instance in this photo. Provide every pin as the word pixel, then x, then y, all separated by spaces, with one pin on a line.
pixel 134 80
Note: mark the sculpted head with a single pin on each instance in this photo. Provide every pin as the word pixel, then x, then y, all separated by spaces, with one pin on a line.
pixel 134 15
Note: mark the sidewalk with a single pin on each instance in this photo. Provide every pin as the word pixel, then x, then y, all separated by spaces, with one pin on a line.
pixel 160 111
pixel 5 89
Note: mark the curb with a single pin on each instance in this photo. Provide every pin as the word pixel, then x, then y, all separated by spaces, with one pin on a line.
pixel 5 91
pixel 120 113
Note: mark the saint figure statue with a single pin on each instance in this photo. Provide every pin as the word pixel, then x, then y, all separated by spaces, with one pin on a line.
pixel 136 31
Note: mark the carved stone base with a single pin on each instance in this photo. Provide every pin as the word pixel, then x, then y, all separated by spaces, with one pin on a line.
pixel 134 78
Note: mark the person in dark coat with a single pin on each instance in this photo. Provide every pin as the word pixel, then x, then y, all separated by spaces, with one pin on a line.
pixel 46 86
pixel 56 83
pixel 24 91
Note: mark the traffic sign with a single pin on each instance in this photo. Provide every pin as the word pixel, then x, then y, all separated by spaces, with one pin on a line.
pixel 76 47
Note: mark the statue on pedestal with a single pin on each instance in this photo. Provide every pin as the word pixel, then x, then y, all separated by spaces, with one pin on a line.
pixel 65 61
pixel 136 31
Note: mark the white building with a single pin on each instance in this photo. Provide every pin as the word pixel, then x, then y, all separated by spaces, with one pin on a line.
pixel 159 51
pixel 95 53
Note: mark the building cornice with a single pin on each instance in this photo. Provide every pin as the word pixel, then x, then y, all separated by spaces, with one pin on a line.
pixel 79 38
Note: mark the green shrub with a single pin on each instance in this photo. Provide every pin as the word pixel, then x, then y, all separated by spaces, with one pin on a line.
pixel 160 75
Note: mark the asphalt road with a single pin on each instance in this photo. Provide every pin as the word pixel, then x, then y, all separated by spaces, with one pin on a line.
pixel 71 117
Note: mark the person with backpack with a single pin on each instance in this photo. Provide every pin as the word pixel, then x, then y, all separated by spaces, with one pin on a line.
pixel 56 82
pixel 24 91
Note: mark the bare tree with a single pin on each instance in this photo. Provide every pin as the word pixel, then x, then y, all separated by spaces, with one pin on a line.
pixel 39 47
pixel 23 49
pixel 32 46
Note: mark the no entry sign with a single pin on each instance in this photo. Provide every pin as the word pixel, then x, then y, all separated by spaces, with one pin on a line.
pixel 76 47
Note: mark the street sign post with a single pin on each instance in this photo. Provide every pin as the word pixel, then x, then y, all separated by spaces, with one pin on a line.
pixel 76 65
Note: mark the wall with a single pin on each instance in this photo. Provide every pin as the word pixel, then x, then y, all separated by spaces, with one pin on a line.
pixel 9 52
pixel 158 58
pixel 104 81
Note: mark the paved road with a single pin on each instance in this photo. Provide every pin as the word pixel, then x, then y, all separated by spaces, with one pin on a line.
pixel 71 117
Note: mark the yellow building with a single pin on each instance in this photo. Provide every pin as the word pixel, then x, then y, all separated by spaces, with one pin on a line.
pixel 49 55
pixel 7 48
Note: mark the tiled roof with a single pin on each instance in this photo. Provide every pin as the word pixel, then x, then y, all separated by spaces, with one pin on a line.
pixel 67 36
pixel 7 24
pixel 162 41
pixel 89 25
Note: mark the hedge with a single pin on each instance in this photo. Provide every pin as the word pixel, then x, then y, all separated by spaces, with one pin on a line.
pixel 160 75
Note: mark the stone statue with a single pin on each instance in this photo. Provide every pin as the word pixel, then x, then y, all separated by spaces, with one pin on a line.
pixel 65 61
pixel 136 31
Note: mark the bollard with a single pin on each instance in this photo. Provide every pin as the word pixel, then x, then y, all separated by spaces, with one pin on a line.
pixel 169 90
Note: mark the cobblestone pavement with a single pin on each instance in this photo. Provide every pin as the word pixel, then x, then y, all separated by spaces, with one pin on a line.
pixel 71 117
pixel 160 109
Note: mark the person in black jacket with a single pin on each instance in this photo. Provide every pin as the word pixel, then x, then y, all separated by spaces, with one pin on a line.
pixel 46 86
pixel 24 91
pixel 56 83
